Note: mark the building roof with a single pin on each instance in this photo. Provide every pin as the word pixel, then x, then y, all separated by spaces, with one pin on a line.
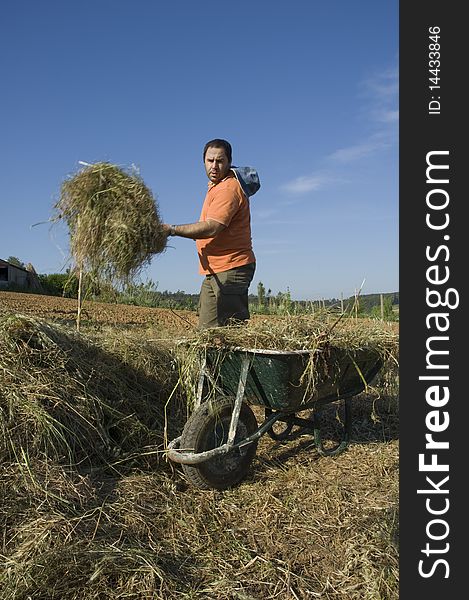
pixel 5 263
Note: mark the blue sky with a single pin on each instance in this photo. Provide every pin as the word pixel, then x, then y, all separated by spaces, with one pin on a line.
pixel 305 91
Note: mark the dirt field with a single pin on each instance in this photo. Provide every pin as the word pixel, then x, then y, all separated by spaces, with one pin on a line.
pixel 65 310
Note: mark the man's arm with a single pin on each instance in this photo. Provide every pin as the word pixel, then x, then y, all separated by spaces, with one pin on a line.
pixel 195 231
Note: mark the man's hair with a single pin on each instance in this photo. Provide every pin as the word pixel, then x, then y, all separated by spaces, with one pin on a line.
pixel 217 143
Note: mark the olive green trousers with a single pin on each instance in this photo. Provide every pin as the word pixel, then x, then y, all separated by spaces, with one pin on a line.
pixel 224 297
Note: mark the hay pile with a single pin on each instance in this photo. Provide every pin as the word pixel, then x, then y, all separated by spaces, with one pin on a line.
pixel 315 334
pixel 113 221
pixel 77 399
pixel 304 332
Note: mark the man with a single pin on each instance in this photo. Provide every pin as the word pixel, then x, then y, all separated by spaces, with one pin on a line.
pixel 223 238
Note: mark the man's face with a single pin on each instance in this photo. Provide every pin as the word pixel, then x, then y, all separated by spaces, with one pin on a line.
pixel 216 164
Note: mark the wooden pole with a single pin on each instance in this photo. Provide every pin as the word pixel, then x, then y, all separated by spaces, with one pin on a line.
pixel 342 302
pixel 80 285
pixel 381 299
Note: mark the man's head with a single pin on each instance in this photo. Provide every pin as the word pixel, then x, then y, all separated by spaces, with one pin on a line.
pixel 217 159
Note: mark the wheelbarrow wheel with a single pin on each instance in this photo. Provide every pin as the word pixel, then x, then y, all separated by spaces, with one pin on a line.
pixel 207 428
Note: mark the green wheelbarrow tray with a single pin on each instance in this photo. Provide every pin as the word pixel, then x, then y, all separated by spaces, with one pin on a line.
pixel 277 379
pixel 274 379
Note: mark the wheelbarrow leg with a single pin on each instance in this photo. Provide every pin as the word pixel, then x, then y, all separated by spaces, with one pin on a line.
pixel 246 363
pixel 347 428
pixel 200 385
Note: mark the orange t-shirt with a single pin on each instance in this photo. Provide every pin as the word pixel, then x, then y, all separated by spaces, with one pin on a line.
pixel 226 203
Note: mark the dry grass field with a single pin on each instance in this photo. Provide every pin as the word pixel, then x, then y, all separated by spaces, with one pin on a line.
pixel 91 509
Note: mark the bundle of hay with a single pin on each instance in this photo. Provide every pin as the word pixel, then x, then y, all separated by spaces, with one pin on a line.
pixel 113 221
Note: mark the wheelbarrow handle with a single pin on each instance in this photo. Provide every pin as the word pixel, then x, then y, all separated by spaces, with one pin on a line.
pixel 186 457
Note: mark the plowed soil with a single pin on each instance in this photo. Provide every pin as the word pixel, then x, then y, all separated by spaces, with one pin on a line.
pixel 99 313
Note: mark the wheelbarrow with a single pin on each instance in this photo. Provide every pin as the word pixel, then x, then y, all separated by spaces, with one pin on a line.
pixel 219 440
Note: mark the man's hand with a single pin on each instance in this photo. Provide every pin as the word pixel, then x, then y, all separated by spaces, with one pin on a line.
pixel 167 229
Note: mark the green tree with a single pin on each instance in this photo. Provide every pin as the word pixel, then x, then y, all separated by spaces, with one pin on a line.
pixel 261 296
pixel 13 260
pixel 284 302
pixel 60 284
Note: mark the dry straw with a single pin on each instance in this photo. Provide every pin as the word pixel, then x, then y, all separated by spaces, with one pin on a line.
pixel 113 221
pixel 76 398
pixel 304 332
pixel 315 335
pixel 86 514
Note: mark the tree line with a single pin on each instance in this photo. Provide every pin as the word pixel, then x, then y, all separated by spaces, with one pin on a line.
pixel 264 302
